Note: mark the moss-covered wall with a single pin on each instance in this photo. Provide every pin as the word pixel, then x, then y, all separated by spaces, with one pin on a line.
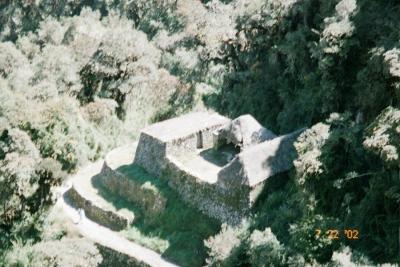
pixel 144 195
pixel 103 217
pixel 224 205
pixel 150 154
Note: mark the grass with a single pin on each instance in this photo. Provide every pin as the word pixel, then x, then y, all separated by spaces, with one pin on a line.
pixel 152 242
pixel 178 232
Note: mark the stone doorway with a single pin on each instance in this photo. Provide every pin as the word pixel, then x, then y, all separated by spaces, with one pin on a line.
pixel 199 136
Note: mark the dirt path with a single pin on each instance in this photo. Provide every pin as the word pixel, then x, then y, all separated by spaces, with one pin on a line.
pixel 103 235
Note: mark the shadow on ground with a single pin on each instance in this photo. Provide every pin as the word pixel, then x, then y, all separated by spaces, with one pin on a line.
pixel 183 226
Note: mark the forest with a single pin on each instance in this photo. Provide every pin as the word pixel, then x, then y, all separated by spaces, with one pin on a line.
pixel 78 78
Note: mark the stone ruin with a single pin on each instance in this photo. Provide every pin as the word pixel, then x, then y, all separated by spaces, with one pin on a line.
pixel 216 164
pixel 243 132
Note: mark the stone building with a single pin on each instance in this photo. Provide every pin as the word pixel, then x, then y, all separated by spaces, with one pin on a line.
pixel 218 165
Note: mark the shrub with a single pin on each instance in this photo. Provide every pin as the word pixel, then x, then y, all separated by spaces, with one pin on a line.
pixel 265 249
pixel 224 248
pixel 66 252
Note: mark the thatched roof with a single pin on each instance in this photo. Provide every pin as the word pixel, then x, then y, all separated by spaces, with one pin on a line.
pixel 245 131
pixel 259 162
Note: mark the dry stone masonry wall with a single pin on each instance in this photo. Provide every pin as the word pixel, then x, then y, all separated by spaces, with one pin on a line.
pixel 103 217
pixel 207 197
pixel 142 195
pixel 150 154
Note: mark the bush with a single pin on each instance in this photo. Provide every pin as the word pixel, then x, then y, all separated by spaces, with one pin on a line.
pixel 66 252
pixel 79 77
pixel 345 183
pixel 265 249
pixel 224 248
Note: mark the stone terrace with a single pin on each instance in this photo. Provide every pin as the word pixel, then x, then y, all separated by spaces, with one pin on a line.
pixel 182 151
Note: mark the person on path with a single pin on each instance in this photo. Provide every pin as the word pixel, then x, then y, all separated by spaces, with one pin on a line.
pixel 81 214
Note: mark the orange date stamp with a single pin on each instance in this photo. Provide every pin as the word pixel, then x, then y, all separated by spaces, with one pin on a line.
pixel 334 234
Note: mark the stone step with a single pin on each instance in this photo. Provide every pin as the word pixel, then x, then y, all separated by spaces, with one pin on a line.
pixel 143 195
pixel 131 188
pixel 86 195
pixel 108 217
pixel 117 250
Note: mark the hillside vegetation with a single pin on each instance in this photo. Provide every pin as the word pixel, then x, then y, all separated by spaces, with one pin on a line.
pixel 78 78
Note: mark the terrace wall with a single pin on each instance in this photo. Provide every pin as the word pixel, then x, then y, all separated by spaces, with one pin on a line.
pixel 151 154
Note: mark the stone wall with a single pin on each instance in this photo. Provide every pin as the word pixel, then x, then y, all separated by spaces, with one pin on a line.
pixel 150 154
pixel 152 150
pixel 233 184
pixel 191 142
pixel 208 198
pixel 144 195
pixel 183 145
pixel 103 217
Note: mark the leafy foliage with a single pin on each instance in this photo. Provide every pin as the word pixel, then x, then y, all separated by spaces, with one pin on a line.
pixel 74 83
pixel 79 77
pixel 225 247
pixel 265 249
pixel 327 65
pixel 349 185
pixel 66 252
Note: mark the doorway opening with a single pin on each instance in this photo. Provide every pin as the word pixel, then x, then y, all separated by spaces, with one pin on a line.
pixel 199 136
